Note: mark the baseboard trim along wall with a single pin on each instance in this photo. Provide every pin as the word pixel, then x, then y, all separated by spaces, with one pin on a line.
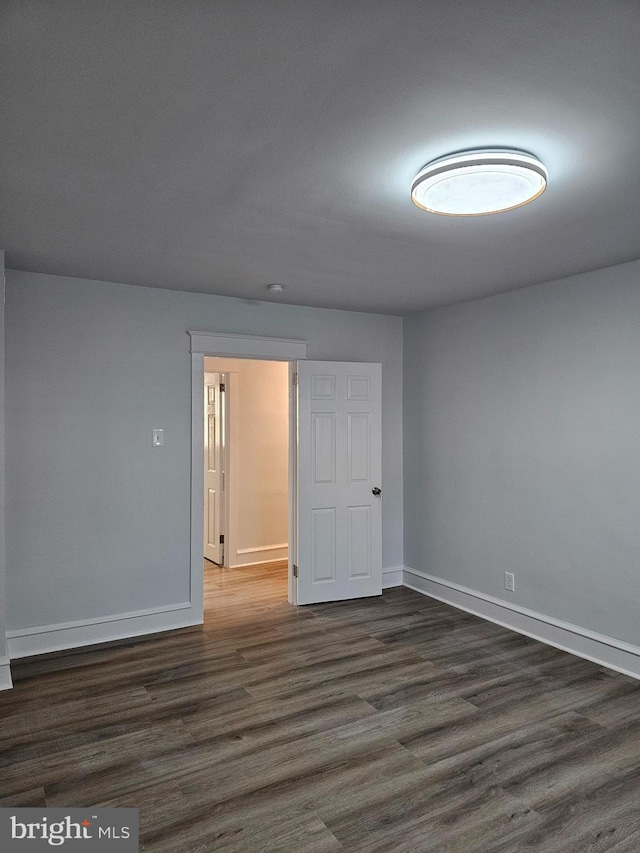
pixel 598 648
pixel 6 682
pixel 283 546
pixel 392 577
pixel 71 635
pixel 261 554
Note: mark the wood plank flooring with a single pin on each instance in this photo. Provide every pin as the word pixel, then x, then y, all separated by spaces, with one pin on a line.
pixel 386 724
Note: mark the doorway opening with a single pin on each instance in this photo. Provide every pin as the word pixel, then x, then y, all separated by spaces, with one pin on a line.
pixel 247 498
pixel 335 466
pixel 222 344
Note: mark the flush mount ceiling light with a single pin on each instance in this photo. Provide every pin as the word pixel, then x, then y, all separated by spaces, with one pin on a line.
pixel 275 288
pixel 475 183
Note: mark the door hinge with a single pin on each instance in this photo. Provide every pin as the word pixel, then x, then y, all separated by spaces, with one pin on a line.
pixel 222 538
pixel 295 378
pixel 223 480
pixel 222 387
pixel 295 571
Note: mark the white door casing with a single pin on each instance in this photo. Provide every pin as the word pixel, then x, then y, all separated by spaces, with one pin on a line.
pixel 213 468
pixel 339 518
pixel 221 344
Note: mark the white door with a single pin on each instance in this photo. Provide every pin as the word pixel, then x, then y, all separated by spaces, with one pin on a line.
pixel 213 468
pixel 339 536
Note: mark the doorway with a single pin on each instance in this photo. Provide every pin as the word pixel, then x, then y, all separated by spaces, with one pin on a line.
pixel 246 462
pixel 334 469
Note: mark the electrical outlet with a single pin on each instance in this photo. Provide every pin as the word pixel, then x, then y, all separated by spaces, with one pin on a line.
pixel 509 581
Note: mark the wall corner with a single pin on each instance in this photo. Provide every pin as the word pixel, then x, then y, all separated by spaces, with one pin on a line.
pixel 5 669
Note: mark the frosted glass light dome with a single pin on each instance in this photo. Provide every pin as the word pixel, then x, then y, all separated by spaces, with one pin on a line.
pixel 476 183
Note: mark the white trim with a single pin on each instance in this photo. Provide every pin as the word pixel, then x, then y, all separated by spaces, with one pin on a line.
pixel 392 577
pixel 5 674
pixel 292 586
pixel 196 578
pixel 248 346
pixel 262 548
pixel 229 378
pixel 70 635
pixel 259 556
pixel 598 648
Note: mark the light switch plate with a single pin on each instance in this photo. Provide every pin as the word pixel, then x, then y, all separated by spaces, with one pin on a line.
pixel 157 438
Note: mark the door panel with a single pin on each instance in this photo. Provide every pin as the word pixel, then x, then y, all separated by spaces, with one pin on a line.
pixel 323 442
pixel 359 447
pixel 359 530
pixel 339 542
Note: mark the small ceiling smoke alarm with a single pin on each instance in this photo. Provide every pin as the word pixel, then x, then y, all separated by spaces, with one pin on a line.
pixel 275 288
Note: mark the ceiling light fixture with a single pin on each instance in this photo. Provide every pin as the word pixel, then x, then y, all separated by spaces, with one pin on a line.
pixel 475 183
pixel 275 288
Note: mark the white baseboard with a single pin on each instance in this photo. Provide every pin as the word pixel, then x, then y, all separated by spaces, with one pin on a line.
pixel 283 546
pixel 70 635
pixel 5 674
pixel 392 577
pixel 256 556
pixel 598 648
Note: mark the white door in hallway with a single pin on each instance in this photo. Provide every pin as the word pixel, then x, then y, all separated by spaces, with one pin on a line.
pixel 213 468
pixel 339 518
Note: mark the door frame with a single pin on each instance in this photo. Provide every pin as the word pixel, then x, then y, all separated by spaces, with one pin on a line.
pixel 223 345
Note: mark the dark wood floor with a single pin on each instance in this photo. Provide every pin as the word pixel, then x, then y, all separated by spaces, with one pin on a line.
pixel 387 724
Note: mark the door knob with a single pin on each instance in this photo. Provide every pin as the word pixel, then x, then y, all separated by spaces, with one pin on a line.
pixel 376 491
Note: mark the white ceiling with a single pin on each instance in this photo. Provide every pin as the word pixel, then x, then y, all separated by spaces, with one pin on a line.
pixel 220 146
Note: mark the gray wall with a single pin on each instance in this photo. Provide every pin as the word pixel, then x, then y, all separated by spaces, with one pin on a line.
pixel 3 643
pixel 98 520
pixel 522 447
